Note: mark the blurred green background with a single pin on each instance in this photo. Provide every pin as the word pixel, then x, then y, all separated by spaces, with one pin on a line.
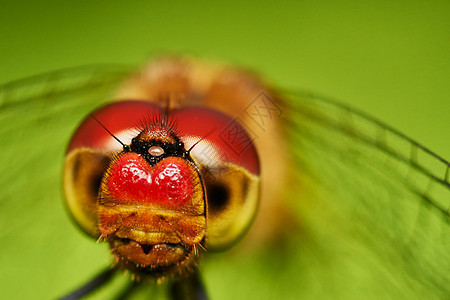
pixel 390 58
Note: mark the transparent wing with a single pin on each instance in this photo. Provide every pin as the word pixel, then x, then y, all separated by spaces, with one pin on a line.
pixel 376 209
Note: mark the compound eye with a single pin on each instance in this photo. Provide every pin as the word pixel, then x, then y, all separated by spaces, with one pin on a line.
pixel 156 151
pixel 227 158
pixel 120 118
pixel 90 152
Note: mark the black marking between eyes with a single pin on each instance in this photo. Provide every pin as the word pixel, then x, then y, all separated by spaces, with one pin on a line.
pixel 170 150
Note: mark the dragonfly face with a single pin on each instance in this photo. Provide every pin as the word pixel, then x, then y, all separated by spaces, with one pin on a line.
pixel 161 185
pixel 332 202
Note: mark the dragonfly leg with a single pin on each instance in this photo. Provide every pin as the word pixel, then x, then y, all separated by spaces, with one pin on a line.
pixel 95 283
pixel 189 288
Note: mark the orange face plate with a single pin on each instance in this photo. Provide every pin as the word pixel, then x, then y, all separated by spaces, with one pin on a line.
pixel 151 208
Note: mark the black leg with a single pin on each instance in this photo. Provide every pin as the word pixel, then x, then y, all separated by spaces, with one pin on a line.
pixel 189 288
pixel 98 281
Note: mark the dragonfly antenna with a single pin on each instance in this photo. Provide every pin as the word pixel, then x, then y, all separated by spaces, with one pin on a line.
pixel 203 137
pixel 125 147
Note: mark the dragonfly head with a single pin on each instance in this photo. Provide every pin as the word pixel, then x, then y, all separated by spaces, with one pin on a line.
pixel 161 190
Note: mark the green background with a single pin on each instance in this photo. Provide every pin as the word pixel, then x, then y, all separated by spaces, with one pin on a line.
pixel 391 59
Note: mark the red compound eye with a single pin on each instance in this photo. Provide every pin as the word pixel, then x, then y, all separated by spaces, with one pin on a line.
pixel 120 118
pixel 223 139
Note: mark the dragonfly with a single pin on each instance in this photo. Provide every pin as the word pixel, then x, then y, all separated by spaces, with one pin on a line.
pixel 349 207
